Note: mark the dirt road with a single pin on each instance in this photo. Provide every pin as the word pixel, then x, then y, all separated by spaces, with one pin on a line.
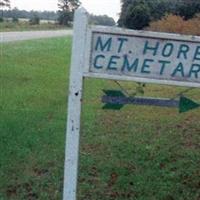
pixel 28 35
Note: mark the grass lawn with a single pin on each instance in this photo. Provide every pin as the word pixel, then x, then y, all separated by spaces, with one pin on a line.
pixel 137 153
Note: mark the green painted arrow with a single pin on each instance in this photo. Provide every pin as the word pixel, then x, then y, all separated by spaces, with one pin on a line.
pixel 113 93
pixel 117 102
pixel 186 104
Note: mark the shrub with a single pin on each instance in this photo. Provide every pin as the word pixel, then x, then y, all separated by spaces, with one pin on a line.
pixel 176 24
pixel 101 20
pixel 15 19
pixel 65 18
pixel 34 20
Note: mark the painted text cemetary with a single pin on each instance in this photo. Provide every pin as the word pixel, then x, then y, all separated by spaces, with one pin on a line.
pixel 145 57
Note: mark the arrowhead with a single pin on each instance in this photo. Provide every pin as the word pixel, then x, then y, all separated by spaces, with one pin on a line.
pixel 112 93
pixel 187 104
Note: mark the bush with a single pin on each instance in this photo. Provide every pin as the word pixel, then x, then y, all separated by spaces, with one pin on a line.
pixel 176 24
pixel 35 20
pixel 102 20
pixel 136 16
pixel 1 19
pixel 15 20
pixel 65 18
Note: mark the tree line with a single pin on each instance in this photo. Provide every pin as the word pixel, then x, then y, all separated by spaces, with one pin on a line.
pixel 66 12
pixel 64 15
pixel 137 14
pixel 16 13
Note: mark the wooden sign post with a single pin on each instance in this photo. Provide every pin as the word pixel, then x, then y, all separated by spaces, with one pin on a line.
pixel 74 104
pixel 121 54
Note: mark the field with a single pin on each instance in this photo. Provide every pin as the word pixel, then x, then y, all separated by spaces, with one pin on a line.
pixel 23 25
pixel 137 153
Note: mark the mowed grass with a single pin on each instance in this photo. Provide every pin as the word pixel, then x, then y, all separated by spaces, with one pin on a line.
pixel 137 153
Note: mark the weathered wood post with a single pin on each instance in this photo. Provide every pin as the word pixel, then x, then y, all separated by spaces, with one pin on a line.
pixel 74 105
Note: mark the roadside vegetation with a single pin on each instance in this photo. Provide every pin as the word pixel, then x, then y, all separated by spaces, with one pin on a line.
pixel 139 152
pixel 24 14
pixel 138 14
pixel 26 25
pixel 22 20
pixel 176 24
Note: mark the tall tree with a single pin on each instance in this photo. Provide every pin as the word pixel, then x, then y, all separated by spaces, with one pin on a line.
pixel 66 10
pixel 5 3
pixel 188 8
pixel 135 14
pixel 138 13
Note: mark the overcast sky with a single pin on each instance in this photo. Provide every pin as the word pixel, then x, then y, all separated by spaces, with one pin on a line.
pixel 98 7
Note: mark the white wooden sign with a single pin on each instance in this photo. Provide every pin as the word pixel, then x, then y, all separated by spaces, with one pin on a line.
pixel 121 54
pixel 147 57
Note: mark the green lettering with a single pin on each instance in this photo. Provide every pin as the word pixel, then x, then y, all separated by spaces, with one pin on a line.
pixel 146 66
pixel 121 40
pixel 103 46
pixel 179 69
pixel 195 70
pixel 197 53
pixel 150 48
pixel 163 65
pixel 128 66
pixel 167 50
pixel 183 50
pixel 97 66
pixel 112 63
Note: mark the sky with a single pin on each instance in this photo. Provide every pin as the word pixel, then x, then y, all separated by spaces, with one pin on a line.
pixel 97 7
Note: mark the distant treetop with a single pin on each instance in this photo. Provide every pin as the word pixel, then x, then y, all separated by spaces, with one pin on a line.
pixel 5 3
pixel 67 8
pixel 137 14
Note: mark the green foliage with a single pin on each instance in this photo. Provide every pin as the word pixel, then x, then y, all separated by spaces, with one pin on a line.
pixel 21 25
pixel 1 19
pixel 5 3
pixel 135 14
pixel 67 8
pixel 32 119
pixel 65 18
pixel 46 15
pixel 188 9
pixel 102 20
pixel 35 20
pixel 15 20
pixel 138 16
pixel 138 13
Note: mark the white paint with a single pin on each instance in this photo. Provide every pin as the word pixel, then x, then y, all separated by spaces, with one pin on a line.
pixel 74 105
pixel 133 48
